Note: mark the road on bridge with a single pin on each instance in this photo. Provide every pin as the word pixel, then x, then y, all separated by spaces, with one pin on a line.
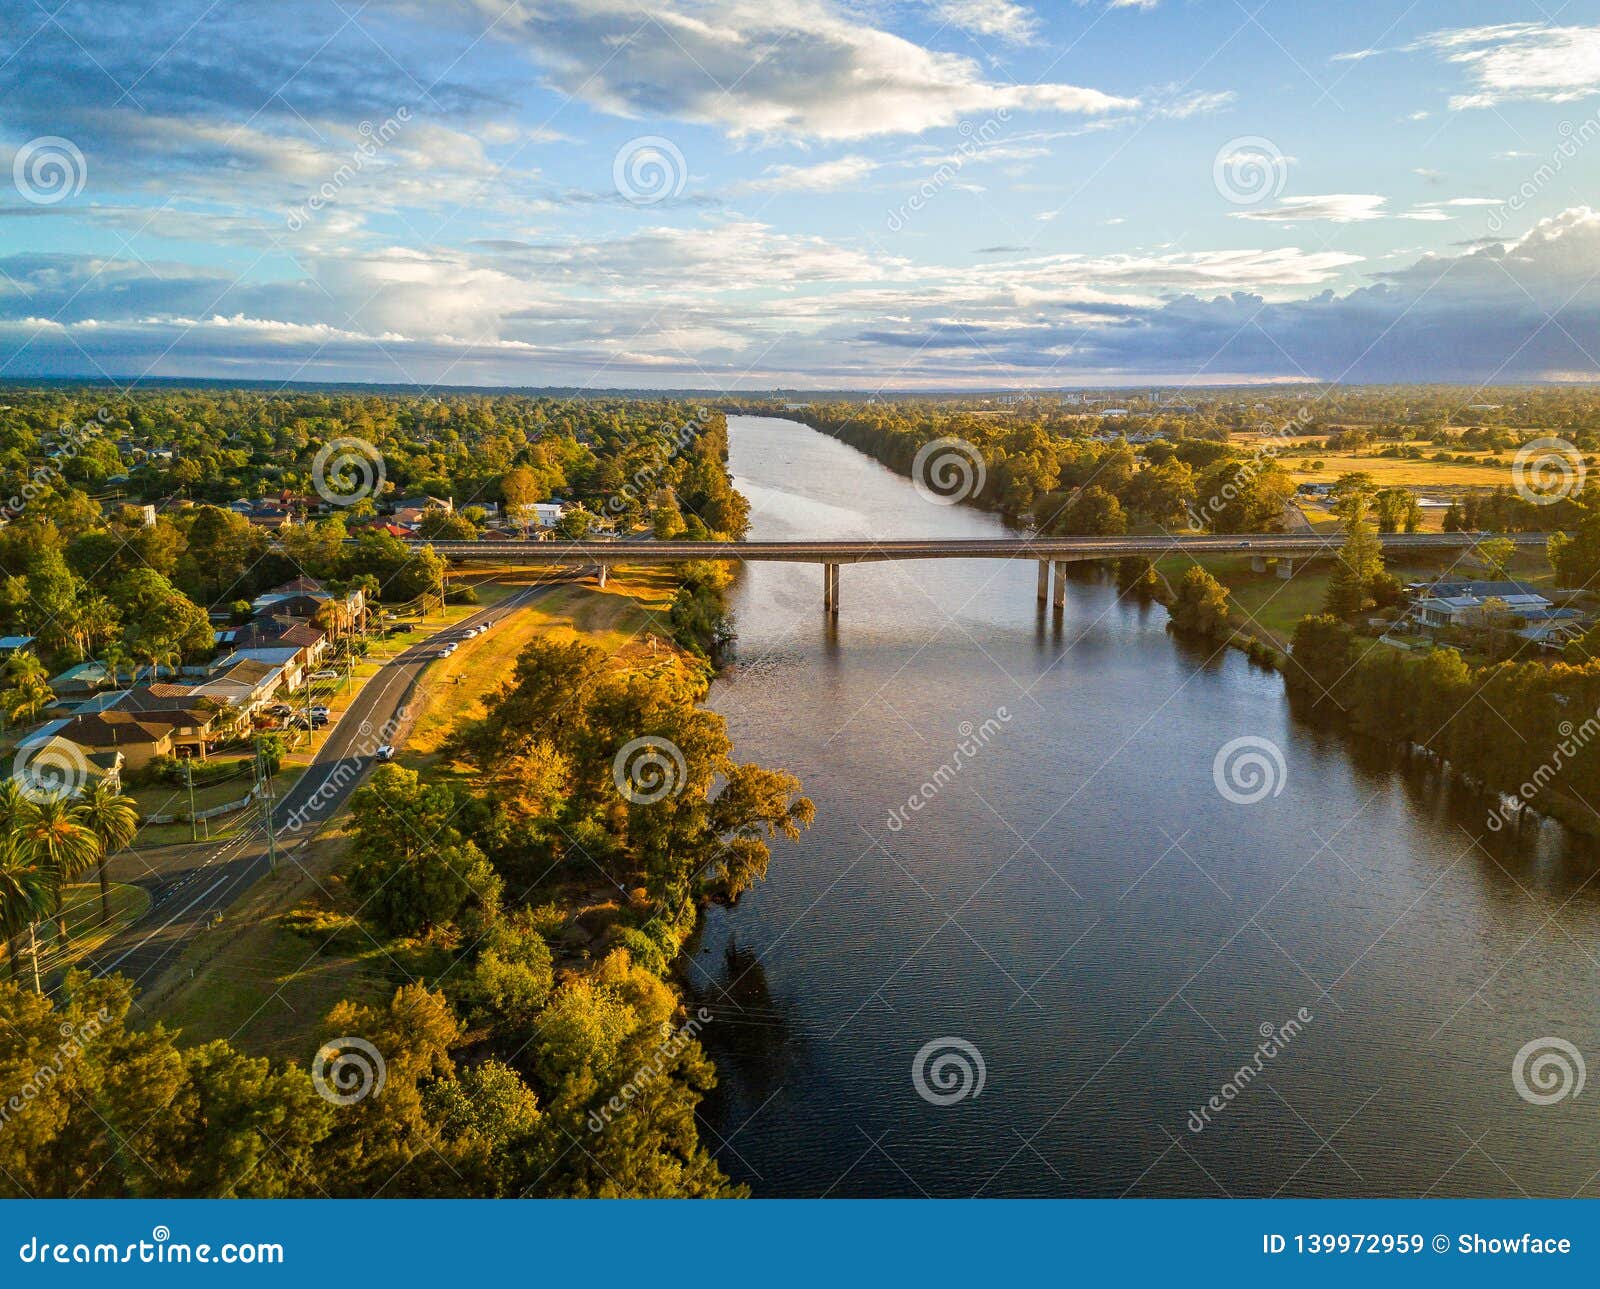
pixel 608 553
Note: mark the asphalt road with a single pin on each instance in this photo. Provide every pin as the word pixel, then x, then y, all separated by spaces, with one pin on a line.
pixel 186 897
pixel 550 553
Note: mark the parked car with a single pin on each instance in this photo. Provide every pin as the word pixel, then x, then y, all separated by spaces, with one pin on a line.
pixel 325 675
pixel 320 709
pixel 385 753
pixel 280 709
pixel 298 723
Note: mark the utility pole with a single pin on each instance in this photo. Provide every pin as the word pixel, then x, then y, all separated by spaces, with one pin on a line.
pixel 265 780
pixel 188 777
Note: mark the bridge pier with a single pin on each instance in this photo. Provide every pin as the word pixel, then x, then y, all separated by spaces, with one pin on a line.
pixel 1044 580
pixel 604 569
pixel 1285 567
pixel 830 589
pixel 1061 584
pixel 1258 563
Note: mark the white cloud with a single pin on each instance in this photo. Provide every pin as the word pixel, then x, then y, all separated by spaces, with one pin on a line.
pixel 1336 207
pixel 785 68
pixel 822 177
pixel 999 18
pixel 1517 61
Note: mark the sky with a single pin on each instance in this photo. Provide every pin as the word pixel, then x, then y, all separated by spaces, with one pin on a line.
pixel 806 194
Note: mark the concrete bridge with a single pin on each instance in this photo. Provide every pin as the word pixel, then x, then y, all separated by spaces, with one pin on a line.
pixel 1286 548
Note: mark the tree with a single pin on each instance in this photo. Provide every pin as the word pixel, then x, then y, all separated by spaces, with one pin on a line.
pixel 55 835
pixel 161 624
pixel 1248 496
pixel 1495 553
pixel 519 490
pixel 114 821
pixel 27 892
pixel 1397 508
pixel 1092 512
pixel 413 869
pixel 1360 561
pixel 27 689
pixel 1200 606
pixel 1575 555
pixel 1320 655
pixel 576 523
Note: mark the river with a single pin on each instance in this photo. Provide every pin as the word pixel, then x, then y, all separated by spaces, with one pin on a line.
pixel 1080 906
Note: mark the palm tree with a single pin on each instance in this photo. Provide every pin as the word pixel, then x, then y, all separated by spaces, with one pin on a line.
pixel 114 820
pixel 26 893
pixel 59 843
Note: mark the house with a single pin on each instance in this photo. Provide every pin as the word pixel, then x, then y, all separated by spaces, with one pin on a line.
pixel 1552 628
pixel 424 502
pixel 140 737
pixel 15 644
pixel 1460 604
pixel 84 679
pixel 305 597
pixel 244 688
pixel 42 749
pixel 289 659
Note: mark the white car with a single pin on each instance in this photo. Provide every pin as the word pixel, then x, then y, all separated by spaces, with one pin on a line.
pixel 324 675
pixel 385 753
pixel 320 710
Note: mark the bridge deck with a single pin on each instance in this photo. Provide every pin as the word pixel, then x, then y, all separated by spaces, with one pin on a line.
pixel 1303 545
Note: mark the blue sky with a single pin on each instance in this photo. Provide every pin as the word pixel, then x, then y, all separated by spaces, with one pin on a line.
pixel 750 193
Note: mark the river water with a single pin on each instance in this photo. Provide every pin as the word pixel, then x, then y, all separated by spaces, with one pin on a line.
pixel 1080 906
